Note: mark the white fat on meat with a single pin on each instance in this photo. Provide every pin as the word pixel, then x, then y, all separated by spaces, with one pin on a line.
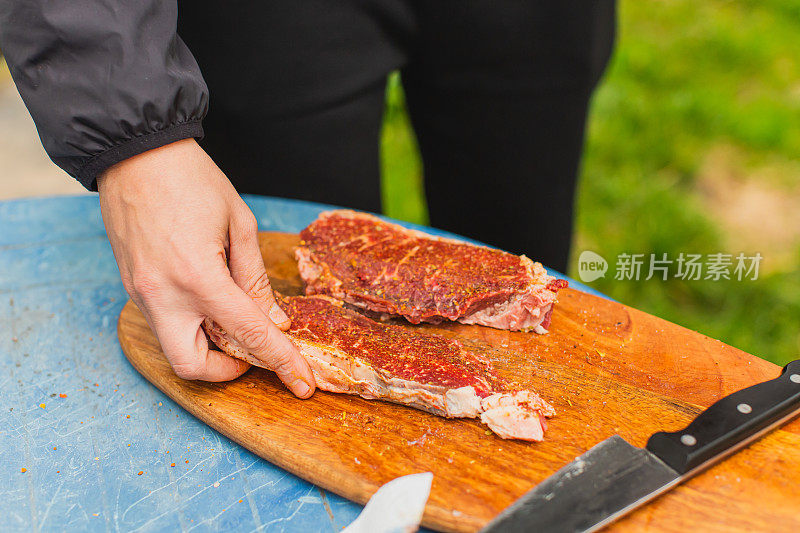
pixel 524 310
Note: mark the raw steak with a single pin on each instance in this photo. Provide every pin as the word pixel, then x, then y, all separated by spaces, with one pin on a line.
pixel 350 353
pixel 390 270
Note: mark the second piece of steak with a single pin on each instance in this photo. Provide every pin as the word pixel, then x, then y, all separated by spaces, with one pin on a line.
pixel 350 353
pixel 391 270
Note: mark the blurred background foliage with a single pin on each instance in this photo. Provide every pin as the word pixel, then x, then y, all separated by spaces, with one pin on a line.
pixel 693 146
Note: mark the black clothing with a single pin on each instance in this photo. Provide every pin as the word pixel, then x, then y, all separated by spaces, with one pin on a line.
pixel 103 79
pixel 497 92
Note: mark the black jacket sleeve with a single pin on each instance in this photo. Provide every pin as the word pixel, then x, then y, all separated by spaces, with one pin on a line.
pixel 103 79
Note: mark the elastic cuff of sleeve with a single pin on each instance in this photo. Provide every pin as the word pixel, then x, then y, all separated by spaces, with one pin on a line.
pixel 87 175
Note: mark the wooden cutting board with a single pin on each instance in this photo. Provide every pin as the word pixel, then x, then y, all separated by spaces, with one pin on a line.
pixel 605 367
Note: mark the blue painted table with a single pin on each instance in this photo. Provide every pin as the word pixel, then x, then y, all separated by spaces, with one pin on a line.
pixel 87 443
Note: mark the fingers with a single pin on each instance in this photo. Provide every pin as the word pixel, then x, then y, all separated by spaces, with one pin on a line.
pixel 247 268
pixel 170 247
pixel 246 323
pixel 186 348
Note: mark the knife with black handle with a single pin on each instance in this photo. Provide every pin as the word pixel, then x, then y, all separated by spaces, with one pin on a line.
pixel 730 423
pixel 614 478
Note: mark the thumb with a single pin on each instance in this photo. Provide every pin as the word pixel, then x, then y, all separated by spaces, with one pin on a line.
pixel 247 268
pixel 244 331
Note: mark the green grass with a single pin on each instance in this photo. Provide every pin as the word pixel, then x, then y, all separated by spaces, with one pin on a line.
pixel 687 78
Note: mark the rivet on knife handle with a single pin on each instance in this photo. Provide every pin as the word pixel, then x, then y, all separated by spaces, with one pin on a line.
pixel 731 422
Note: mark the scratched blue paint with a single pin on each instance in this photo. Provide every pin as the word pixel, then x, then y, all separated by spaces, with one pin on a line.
pixel 60 297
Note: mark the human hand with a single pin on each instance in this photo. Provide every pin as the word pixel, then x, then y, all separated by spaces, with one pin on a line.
pixel 187 248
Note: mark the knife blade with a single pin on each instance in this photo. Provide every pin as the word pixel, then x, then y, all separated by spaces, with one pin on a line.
pixel 613 478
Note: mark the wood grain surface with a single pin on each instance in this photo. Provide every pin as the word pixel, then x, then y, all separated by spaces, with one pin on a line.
pixel 606 368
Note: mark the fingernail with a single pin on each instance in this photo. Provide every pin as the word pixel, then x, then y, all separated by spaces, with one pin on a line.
pixel 278 317
pixel 301 389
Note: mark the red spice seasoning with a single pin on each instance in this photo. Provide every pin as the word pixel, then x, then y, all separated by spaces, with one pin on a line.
pixel 344 245
pixel 410 355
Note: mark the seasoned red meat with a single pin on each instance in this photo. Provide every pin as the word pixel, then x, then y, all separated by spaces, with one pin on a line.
pixel 384 268
pixel 350 353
